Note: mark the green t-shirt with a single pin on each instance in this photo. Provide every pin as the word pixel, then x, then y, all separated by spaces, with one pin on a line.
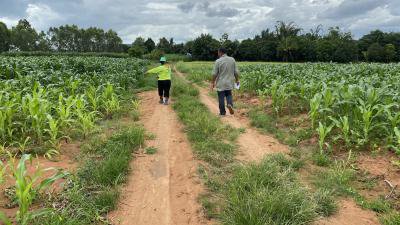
pixel 163 71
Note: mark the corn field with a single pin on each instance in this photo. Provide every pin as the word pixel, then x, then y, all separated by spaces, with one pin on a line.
pixel 43 100
pixel 353 105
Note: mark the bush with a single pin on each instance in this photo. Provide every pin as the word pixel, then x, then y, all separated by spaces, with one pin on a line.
pixel 137 51
pixel 154 55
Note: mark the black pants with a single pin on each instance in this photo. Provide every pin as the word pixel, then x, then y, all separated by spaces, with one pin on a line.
pixel 221 98
pixel 163 88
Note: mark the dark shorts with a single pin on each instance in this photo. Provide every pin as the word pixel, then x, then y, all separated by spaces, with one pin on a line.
pixel 163 88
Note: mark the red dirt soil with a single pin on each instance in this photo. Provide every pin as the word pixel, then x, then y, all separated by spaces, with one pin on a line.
pixel 350 214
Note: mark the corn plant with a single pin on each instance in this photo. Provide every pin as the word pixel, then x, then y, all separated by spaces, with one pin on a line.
pixel 93 97
pixel 23 145
pixel 3 217
pixel 53 132
pixel 64 110
pixel 37 107
pixel 111 106
pixel 279 95
pixel 368 114
pixel 86 122
pixel 315 104
pixel 323 132
pixel 394 121
pixel 135 105
pixel 27 187
pixel 3 126
pixel 343 124
pixel 396 143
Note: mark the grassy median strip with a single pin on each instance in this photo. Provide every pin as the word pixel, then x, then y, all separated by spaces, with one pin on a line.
pixel 264 193
pixel 93 191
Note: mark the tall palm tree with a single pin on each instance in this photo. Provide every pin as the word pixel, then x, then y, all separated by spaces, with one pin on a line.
pixel 287 36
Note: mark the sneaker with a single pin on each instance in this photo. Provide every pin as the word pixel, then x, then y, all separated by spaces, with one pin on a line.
pixel 230 108
pixel 161 101
pixel 166 101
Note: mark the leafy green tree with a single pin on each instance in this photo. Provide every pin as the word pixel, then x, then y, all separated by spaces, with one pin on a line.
pixel 24 36
pixel 337 46
pixel 165 45
pixel 188 48
pixel 390 52
pixel 43 43
pixel 376 36
pixel 136 51
pixel 138 48
pixel 376 53
pixel 230 46
pixel 150 45
pixel 247 50
pixel 178 48
pixel 5 37
pixel 205 47
pixel 112 41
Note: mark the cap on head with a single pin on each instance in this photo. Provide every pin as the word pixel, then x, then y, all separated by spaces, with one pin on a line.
pixel 163 59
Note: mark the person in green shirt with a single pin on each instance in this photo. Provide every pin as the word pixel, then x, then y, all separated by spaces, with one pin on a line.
pixel 164 80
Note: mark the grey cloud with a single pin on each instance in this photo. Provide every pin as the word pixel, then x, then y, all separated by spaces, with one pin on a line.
pixel 352 8
pixel 187 6
pixel 219 10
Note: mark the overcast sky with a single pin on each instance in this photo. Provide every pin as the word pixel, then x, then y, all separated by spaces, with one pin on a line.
pixel 185 19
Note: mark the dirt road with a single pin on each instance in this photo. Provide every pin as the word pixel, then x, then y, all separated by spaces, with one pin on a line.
pixel 163 188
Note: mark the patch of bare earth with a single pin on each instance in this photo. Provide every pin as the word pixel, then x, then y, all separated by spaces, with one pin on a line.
pixel 350 214
pixel 163 188
pixel 385 174
pixel 253 145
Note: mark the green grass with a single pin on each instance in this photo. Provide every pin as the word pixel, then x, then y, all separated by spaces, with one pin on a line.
pixel 391 219
pixel 151 150
pixel 94 190
pixel 270 193
pixel 338 179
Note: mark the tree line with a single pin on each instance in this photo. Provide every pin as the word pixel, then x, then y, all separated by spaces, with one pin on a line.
pixel 285 42
pixel 67 38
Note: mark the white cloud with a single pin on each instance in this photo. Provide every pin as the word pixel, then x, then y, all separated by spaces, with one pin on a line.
pixel 8 21
pixel 41 15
